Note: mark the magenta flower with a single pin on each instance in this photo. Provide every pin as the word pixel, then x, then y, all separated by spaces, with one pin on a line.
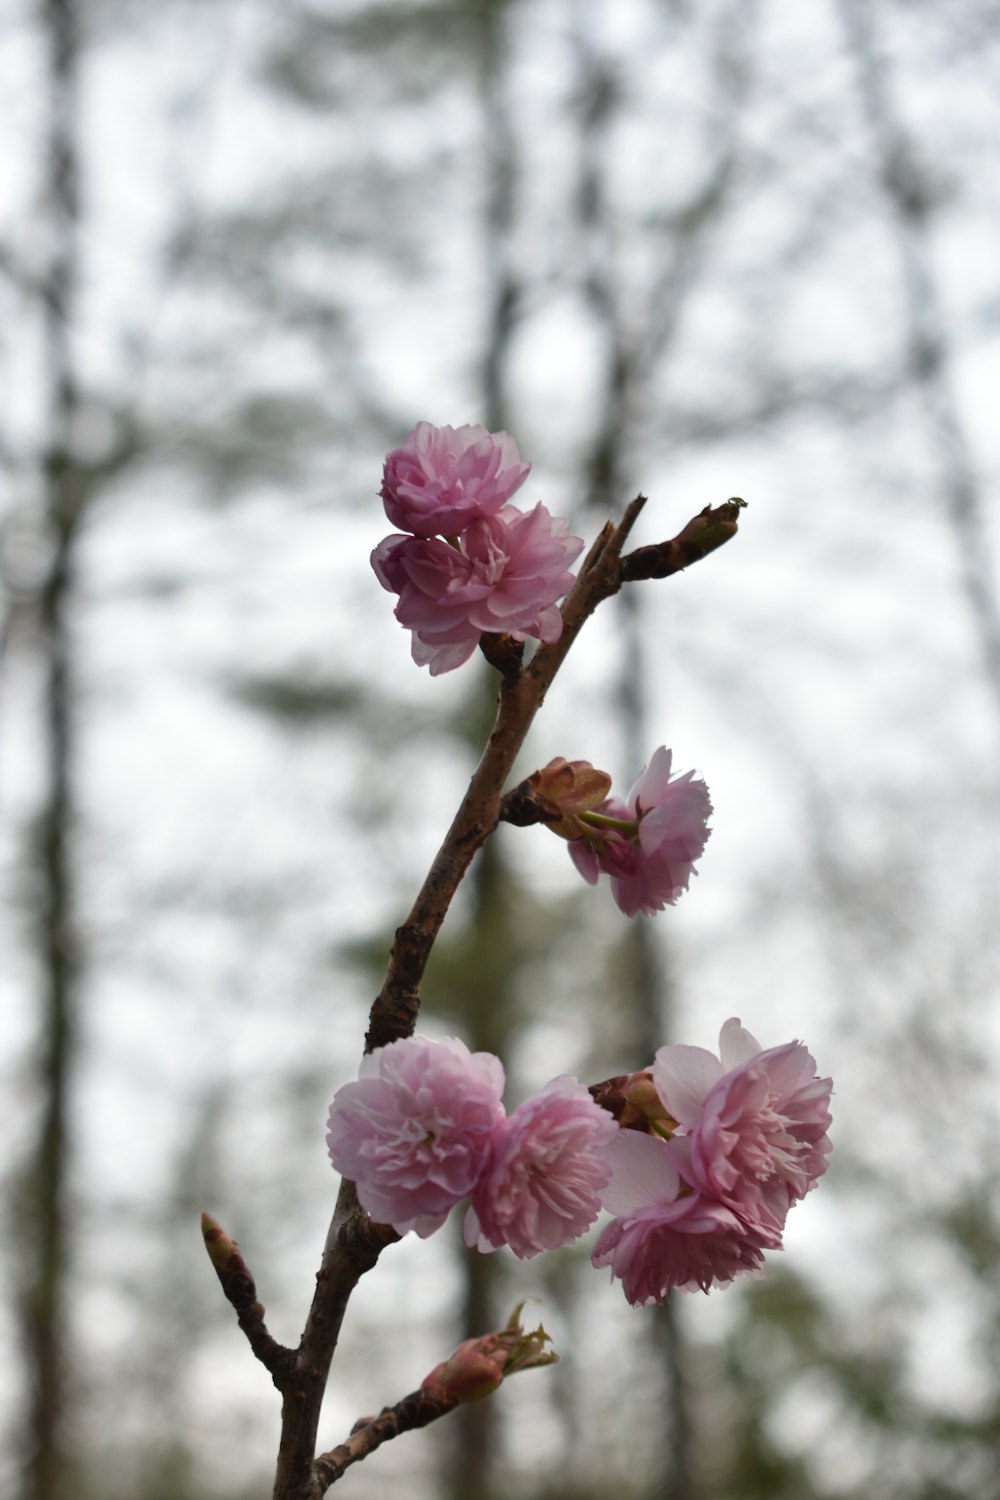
pixel 548 1163
pixel 753 1123
pixel 442 478
pixel 665 1238
pixel 647 845
pixel 413 1132
pixel 504 573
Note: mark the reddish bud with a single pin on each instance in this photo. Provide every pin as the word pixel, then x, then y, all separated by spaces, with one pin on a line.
pixel 479 1365
pixel 634 1102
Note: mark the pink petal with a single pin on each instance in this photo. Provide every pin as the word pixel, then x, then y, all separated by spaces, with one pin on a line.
pixel 684 1077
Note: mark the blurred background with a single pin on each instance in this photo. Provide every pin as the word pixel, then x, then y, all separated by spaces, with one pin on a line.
pixel 697 249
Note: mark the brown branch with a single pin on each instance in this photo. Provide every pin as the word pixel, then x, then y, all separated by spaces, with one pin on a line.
pixel 394 1012
pixel 413 1411
pixel 240 1290
pixel 354 1242
pixel 474 1370
pixel 704 534
pixel 353 1245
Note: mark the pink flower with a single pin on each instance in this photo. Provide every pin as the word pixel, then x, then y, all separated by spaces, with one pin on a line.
pixel 666 1238
pixel 547 1166
pixel 504 573
pixel 413 1132
pixel 442 478
pixel 753 1124
pixel 647 845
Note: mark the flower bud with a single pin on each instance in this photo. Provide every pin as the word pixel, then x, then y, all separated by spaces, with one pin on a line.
pixel 474 1370
pixel 569 787
pixel 479 1365
pixel 634 1102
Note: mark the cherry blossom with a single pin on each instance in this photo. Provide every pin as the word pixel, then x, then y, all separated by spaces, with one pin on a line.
pixel 413 1132
pixel 754 1123
pixel 647 844
pixel 665 1238
pixel 442 478
pixel 505 572
pixel 542 1183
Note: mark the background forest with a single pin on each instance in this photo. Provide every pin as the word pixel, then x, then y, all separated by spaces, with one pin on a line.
pixel 732 247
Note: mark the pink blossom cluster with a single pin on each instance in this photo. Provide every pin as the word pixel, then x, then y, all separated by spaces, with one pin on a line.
pixel 748 1140
pixel 647 844
pixel 470 562
pixel 424 1126
pixel 708 1155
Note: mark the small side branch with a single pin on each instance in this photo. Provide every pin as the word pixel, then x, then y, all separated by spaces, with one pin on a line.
pixel 707 531
pixel 415 1410
pixel 473 1371
pixel 240 1289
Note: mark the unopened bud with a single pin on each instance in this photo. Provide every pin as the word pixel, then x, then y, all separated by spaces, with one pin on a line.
pixel 634 1102
pixel 230 1267
pixel 473 1371
pixel 569 787
pixel 479 1365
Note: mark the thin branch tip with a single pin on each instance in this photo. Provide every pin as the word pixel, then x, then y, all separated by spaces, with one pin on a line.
pixel 710 529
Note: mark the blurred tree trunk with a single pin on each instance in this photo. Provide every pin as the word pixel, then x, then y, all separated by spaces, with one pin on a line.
pixel 476 1431
pixel 47 1467
pixel 638 334
pixel 913 197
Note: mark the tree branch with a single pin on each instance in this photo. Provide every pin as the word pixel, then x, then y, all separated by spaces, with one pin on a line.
pixel 415 1410
pixel 240 1289
pixel 354 1242
pixel 704 534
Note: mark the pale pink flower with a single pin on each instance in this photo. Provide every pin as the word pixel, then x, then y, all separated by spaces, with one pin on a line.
pixel 665 1238
pixel 442 478
pixel 650 859
pixel 753 1123
pixel 504 573
pixel 413 1132
pixel 547 1166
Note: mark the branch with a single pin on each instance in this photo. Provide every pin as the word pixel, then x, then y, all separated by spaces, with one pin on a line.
pixel 413 1411
pixel 240 1289
pixel 354 1242
pixel 394 1012
pixel 475 1370
pixel 708 530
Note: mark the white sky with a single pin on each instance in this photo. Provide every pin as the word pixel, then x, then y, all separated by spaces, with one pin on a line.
pixel 223 858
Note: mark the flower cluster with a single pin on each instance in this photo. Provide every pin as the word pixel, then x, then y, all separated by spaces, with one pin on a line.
pixel 699 1198
pixel 647 844
pixel 424 1127
pixel 699 1158
pixel 470 563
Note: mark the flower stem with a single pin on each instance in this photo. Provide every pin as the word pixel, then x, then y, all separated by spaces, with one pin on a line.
pixel 601 820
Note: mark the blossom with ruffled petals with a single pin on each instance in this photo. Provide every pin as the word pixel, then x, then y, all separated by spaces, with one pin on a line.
pixel 548 1163
pixel 442 478
pixel 753 1123
pixel 648 844
pixel 414 1131
pixel 665 1238
pixel 505 572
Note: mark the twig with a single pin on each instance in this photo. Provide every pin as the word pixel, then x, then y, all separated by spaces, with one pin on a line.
pixel 413 1411
pixel 704 534
pixel 354 1242
pixel 394 1012
pixel 240 1290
